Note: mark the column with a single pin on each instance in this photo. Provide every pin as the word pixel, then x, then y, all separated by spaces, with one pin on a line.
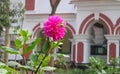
pixel 112 47
pixel 82 49
pixel 73 50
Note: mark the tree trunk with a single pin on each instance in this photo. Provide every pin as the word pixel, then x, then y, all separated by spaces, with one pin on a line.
pixel 54 7
pixel 51 62
pixel 7 43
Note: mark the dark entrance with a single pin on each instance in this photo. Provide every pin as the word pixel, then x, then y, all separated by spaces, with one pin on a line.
pixel 98 43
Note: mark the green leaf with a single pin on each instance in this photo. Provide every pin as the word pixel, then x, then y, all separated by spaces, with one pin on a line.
pixel 23 33
pixel 32 45
pixel 28 68
pixel 9 70
pixel 40 57
pixel 46 61
pixel 48 68
pixel 18 43
pixel 40 71
pixel 3 71
pixel 46 46
pixel 2 64
pixel 10 50
pixel 33 57
pixel 14 64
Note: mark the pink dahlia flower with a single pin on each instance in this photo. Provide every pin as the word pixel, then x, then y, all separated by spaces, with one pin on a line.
pixel 54 28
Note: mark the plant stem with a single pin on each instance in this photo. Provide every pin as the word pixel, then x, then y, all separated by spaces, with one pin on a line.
pixel 23 55
pixel 46 54
pixel 24 59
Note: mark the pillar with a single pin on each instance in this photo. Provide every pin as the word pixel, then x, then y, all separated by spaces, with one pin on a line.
pixel 112 47
pixel 73 50
pixel 81 49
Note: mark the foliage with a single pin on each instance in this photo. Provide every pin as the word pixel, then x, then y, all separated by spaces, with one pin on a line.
pixel 114 67
pixel 69 71
pixel 4 11
pixel 36 58
pixel 74 71
pixel 38 62
pixel 9 14
pixel 20 43
pixel 59 71
pixel 98 66
pixel 60 61
pixel 9 50
pixel 6 70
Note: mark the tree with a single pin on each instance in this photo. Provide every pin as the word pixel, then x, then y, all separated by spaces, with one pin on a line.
pixel 54 4
pixel 5 22
pixel 7 17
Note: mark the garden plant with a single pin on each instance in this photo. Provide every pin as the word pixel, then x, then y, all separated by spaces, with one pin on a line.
pixel 54 31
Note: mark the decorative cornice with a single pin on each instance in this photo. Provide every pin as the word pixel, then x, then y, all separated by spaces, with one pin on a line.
pixel 82 1
pixel 112 37
pixel 34 13
pixel 81 37
pixel 98 5
pixel 41 17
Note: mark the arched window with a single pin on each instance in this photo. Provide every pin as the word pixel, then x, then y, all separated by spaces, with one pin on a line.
pixel 98 41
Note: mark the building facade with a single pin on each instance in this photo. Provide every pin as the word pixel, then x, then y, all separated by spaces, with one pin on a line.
pixel 98 22
pixel 93 26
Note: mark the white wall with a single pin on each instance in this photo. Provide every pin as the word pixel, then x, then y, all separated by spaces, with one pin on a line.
pixel 43 7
